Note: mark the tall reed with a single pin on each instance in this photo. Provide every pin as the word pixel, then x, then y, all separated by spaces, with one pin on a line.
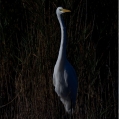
pixel 30 40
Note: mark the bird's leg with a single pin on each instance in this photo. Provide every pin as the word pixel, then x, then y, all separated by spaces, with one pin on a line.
pixel 71 109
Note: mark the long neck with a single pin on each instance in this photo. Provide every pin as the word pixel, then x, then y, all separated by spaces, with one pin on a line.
pixel 62 51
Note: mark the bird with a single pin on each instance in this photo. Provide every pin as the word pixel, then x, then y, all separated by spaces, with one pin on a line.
pixel 65 79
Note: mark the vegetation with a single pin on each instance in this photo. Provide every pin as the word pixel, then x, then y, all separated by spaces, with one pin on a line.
pixel 29 44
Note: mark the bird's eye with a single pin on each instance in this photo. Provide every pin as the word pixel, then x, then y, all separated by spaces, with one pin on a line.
pixel 60 9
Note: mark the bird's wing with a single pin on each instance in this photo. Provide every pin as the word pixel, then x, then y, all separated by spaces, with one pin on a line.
pixel 71 81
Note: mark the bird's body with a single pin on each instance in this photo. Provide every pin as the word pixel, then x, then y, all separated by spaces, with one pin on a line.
pixel 64 76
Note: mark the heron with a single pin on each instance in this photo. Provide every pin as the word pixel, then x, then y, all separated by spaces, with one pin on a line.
pixel 64 76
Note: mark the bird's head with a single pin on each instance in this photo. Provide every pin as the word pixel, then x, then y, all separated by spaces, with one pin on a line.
pixel 60 10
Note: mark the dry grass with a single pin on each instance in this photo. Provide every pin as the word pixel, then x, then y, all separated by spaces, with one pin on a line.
pixel 30 39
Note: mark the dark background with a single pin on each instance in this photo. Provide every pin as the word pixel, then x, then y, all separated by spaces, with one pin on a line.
pixel 23 32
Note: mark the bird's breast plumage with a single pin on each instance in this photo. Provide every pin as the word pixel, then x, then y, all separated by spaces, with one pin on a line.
pixel 61 86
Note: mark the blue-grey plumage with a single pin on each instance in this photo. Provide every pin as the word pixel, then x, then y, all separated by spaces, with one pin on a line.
pixel 64 76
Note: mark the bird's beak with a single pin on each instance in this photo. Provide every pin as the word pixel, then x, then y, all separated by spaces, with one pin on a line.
pixel 65 10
